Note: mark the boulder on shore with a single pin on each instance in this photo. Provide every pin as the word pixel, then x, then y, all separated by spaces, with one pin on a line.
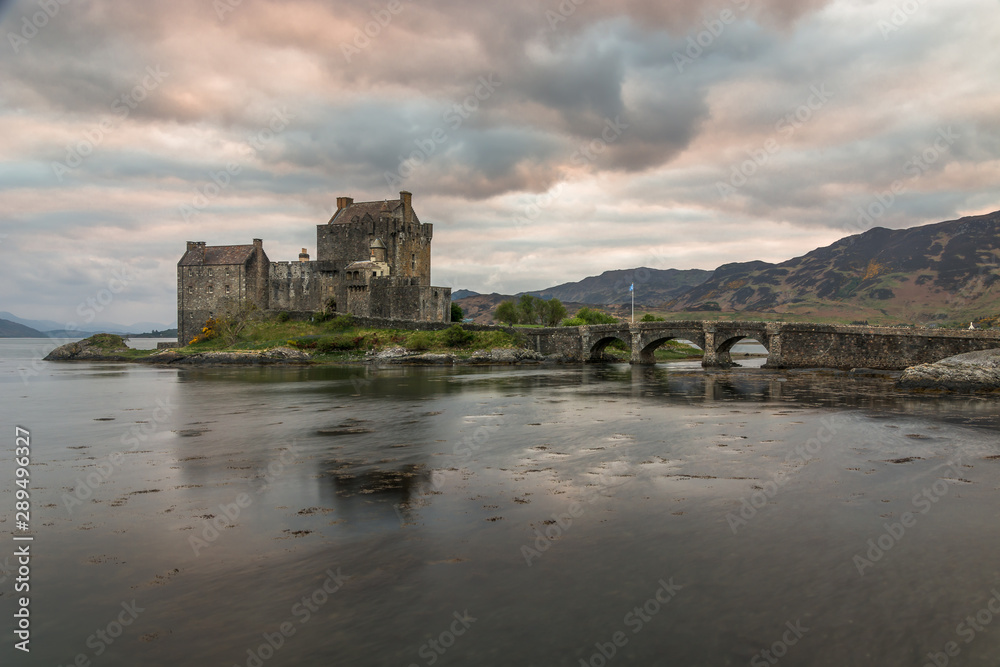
pixel 972 371
pixel 506 355
pixel 275 355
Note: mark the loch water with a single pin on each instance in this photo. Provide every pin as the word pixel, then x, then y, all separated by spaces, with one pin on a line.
pixel 534 515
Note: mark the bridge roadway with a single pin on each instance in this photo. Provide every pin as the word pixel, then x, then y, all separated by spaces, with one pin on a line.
pixel 789 345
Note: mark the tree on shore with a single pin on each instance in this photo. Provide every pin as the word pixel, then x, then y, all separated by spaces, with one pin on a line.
pixel 456 312
pixel 526 309
pixel 553 312
pixel 589 316
pixel 531 310
pixel 507 313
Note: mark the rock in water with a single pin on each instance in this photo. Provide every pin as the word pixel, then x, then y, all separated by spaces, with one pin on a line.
pixel 102 347
pixel 500 356
pixel 972 371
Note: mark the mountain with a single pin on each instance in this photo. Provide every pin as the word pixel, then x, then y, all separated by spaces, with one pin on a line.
pixel 652 286
pixel 462 294
pixel 88 328
pixel 947 271
pixel 41 325
pixel 10 329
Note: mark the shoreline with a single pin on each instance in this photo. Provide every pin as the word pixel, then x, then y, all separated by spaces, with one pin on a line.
pixel 112 348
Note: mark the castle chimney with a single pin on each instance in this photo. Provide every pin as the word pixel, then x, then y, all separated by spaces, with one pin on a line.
pixel 407 205
pixel 257 243
pixel 303 256
pixel 198 247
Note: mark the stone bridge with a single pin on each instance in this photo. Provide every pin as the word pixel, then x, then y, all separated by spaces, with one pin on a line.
pixel 789 345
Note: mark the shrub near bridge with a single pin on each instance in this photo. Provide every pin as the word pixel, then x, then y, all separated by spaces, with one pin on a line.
pixel 589 316
pixel 456 336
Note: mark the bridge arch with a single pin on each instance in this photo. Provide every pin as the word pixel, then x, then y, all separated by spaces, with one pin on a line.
pixel 598 343
pixel 647 353
pixel 728 340
pixel 649 337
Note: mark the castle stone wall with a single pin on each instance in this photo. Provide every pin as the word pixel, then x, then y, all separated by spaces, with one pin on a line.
pixel 300 286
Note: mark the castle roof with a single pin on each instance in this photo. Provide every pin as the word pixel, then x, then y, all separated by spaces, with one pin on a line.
pixel 217 254
pixel 370 208
pixel 366 264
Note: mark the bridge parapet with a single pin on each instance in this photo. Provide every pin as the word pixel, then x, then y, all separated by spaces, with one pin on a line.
pixel 887 348
pixel 789 345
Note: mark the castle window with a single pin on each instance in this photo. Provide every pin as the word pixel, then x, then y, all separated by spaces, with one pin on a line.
pixel 227 288
pixel 210 289
pixel 190 290
pixel 210 273
pixel 190 271
pixel 227 270
pixel 413 262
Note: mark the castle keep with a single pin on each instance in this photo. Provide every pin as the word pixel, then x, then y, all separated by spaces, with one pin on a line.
pixel 373 259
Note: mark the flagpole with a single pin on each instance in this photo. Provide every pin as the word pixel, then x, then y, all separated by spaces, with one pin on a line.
pixel 631 290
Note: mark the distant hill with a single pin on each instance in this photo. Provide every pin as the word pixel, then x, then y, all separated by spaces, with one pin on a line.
pixel 10 329
pixel 166 333
pixel 90 327
pixel 948 271
pixel 608 290
pixel 652 286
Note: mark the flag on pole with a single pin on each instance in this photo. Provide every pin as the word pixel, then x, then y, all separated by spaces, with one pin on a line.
pixel 631 288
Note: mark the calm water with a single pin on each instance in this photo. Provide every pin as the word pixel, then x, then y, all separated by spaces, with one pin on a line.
pixel 506 516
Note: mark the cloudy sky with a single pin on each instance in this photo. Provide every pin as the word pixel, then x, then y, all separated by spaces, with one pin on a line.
pixel 545 140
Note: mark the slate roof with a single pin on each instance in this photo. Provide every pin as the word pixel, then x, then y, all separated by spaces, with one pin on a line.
pixel 217 254
pixel 372 208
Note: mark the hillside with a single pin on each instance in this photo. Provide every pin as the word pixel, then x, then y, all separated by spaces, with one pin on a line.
pixel 10 329
pixel 610 289
pixel 652 286
pixel 947 271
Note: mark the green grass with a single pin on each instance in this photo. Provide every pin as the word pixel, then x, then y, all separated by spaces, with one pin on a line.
pixel 673 349
pixel 669 351
pixel 116 345
pixel 338 340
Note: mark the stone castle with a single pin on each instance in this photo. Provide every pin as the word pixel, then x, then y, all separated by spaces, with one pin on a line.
pixel 373 259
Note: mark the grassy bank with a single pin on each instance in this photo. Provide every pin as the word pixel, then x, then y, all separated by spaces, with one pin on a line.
pixel 339 339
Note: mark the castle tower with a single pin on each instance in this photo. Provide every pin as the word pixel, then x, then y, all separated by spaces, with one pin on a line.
pixel 378 252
